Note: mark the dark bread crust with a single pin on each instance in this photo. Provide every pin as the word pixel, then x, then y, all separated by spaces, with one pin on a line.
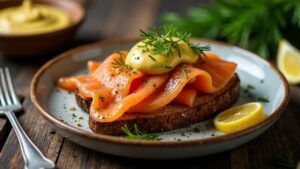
pixel 170 117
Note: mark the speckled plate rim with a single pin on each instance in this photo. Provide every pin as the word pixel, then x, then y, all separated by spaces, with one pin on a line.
pixel 122 140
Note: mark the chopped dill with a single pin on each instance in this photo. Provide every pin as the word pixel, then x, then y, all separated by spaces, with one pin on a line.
pixel 263 99
pixel 249 86
pixel 196 130
pixel 168 67
pixel 145 80
pixel 120 62
pixel 185 71
pixel 102 98
pixel 151 57
pixel 189 126
pixel 72 108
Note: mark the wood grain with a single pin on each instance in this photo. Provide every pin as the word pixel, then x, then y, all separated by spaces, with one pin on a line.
pixel 4 131
pixel 4 125
pixel 40 133
pixel 119 19
pixel 284 136
pixel 76 157
pixel 34 125
pixel 145 18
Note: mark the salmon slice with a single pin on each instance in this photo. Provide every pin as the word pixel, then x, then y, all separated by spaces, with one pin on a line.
pixel 117 109
pixel 106 76
pixel 67 83
pixel 170 91
pixel 219 72
pixel 187 96
pixel 93 65
pixel 208 78
pixel 109 85
pixel 117 78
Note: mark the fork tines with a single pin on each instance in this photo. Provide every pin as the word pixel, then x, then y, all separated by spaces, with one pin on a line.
pixel 7 92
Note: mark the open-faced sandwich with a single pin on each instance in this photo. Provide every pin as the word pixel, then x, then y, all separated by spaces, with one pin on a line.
pixel 163 83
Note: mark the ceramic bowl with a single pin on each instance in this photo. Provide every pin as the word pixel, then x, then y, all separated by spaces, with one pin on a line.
pixel 196 140
pixel 22 46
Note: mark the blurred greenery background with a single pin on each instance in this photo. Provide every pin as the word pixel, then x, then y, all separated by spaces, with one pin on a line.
pixel 255 25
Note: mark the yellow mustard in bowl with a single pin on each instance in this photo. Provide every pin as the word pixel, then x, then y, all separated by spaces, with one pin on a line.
pixel 30 18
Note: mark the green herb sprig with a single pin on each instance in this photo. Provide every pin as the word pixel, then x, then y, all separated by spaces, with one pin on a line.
pixel 197 49
pixel 165 41
pixel 263 99
pixel 257 25
pixel 185 72
pixel 120 62
pixel 286 160
pixel 139 134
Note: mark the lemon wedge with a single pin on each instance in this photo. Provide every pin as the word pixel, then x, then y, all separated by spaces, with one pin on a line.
pixel 288 61
pixel 239 117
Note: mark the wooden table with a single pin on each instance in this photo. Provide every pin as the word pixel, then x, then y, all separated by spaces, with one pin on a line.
pixel 120 19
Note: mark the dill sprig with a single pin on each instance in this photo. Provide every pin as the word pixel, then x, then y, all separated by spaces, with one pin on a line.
pixel 139 134
pixel 197 49
pixel 286 160
pixel 185 71
pixel 165 41
pixel 120 62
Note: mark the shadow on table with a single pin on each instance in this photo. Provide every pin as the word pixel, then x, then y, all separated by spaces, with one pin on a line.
pixel 38 60
pixel 220 160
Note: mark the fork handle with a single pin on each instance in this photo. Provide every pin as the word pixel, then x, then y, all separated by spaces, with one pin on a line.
pixel 33 157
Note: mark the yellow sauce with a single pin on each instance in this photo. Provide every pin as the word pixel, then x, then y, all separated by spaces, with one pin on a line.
pixel 32 18
pixel 150 63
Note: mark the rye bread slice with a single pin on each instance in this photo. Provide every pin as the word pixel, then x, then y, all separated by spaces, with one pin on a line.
pixel 170 117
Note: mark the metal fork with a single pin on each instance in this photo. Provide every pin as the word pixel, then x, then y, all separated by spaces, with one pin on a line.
pixel 9 103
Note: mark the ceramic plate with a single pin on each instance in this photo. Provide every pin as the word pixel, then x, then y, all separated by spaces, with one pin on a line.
pixel 258 79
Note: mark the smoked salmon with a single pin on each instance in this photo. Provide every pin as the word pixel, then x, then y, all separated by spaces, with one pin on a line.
pixel 207 78
pixel 187 96
pixel 218 73
pixel 118 90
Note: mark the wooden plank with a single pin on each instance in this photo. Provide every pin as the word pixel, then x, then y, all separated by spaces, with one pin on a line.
pixel 5 127
pixel 97 12
pixel 40 133
pixel 34 125
pixel 116 21
pixel 239 158
pixel 282 137
pixel 4 131
pixel 76 157
pixel 140 18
